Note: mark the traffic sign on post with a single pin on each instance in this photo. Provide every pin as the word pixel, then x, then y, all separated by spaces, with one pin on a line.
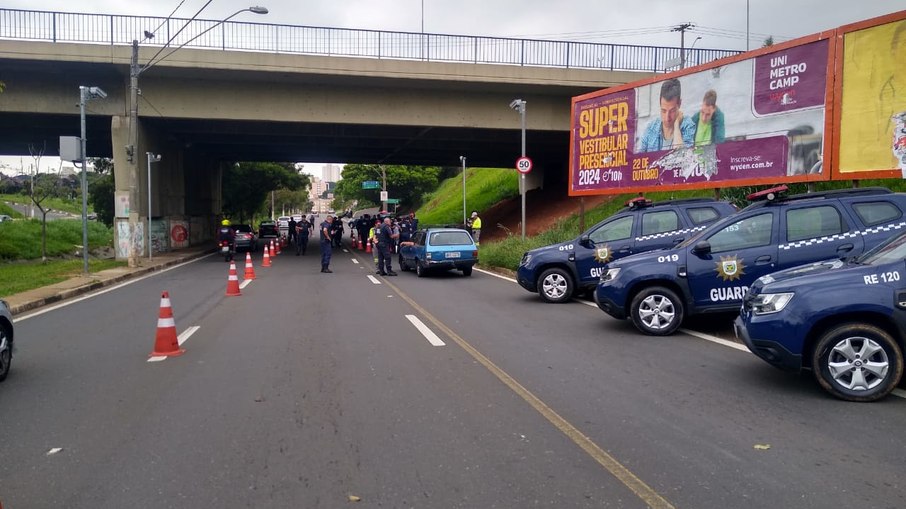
pixel 524 164
pixel 371 184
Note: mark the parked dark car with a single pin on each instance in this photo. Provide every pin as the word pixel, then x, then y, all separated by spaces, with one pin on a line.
pixel 268 230
pixel 6 340
pixel 246 237
pixel 845 321
pixel 439 249
pixel 712 271
pixel 558 271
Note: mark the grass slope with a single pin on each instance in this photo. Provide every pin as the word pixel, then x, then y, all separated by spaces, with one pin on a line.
pixel 23 276
pixel 70 206
pixel 21 240
pixel 484 188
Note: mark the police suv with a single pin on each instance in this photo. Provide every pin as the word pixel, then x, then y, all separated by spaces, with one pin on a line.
pixel 558 270
pixel 846 321
pixel 712 271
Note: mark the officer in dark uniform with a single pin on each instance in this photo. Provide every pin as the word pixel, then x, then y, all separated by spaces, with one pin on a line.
pixel 386 238
pixel 326 248
pixel 292 230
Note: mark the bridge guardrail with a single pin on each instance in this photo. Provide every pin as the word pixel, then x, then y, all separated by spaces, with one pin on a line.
pixel 116 29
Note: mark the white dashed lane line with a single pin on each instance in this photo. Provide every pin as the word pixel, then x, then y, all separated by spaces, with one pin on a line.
pixel 355 261
pixel 244 283
pixel 374 280
pixel 428 333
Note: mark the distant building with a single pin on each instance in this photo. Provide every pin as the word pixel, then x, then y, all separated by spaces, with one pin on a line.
pixel 332 172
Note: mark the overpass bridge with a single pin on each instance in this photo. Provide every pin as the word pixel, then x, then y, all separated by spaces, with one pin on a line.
pixel 229 91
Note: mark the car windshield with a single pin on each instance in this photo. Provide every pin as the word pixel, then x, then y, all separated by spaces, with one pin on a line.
pixel 243 228
pixel 450 238
pixel 892 250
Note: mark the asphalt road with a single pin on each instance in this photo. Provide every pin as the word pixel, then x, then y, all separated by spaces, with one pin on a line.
pixel 52 215
pixel 314 390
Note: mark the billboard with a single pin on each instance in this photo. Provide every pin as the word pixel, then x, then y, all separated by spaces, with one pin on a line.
pixel 872 94
pixel 753 119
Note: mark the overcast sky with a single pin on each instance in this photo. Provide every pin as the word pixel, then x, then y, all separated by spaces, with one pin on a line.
pixel 720 23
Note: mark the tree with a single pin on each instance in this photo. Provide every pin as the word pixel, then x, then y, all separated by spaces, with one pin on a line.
pixel 101 190
pixel 406 183
pixel 246 186
pixel 42 187
pixel 768 42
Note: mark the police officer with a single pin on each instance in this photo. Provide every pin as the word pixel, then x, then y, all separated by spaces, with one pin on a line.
pixel 326 248
pixel 386 239
pixel 292 230
pixel 303 230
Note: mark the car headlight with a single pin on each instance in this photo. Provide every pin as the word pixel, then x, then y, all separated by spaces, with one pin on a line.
pixel 526 258
pixel 609 275
pixel 768 303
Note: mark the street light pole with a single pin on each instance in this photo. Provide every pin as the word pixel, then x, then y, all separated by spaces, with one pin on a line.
pixel 86 94
pixel 134 71
pixel 152 158
pixel 463 160
pixel 519 105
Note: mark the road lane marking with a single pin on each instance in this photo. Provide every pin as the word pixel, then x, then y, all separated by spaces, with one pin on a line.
pixel 899 393
pixel 428 333
pixel 105 290
pixel 495 275
pixel 244 283
pixel 345 250
pixel 180 339
pixel 355 261
pixel 374 279
pixel 621 473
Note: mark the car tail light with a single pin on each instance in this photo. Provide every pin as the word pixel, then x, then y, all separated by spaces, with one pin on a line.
pixel 475 254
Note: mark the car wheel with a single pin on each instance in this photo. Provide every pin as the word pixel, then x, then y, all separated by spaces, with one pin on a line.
pixel 6 353
pixel 857 362
pixel 419 270
pixel 657 311
pixel 403 266
pixel 555 286
pixel 467 271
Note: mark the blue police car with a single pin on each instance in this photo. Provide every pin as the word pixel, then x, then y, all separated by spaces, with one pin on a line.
pixel 558 271
pixel 712 271
pixel 846 321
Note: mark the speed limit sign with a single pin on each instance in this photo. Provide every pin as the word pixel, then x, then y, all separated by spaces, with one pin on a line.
pixel 523 164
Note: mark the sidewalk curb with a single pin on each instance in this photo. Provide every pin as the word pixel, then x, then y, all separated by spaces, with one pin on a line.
pixel 100 283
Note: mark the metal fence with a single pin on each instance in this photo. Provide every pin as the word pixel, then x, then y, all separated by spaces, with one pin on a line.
pixel 290 39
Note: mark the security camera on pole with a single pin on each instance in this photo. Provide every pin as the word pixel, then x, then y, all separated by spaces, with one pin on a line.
pixel 523 164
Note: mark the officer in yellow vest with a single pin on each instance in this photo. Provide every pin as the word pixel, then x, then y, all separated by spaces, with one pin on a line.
pixel 475 225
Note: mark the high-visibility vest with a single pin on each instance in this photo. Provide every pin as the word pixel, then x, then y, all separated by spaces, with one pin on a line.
pixel 476 223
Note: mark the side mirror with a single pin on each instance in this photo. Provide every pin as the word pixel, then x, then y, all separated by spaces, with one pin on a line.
pixel 702 248
pixel 585 241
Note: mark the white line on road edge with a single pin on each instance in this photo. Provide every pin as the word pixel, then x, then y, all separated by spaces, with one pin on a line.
pixel 182 338
pixel 428 333
pixel 707 337
pixel 355 261
pixel 374 280
pixel 345 250
pixel 700 335
pixel 101 292
pixel 244 283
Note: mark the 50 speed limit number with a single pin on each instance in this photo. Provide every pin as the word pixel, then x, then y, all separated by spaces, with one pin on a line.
pixel 524 164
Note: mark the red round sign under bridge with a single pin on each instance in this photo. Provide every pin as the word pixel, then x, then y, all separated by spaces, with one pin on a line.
pixel 523 165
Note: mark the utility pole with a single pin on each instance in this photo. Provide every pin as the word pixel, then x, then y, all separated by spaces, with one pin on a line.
pixel 384 187
pixel 681 28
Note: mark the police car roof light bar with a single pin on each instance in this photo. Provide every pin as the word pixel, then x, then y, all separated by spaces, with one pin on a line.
pixel 641 201
pixel 767 194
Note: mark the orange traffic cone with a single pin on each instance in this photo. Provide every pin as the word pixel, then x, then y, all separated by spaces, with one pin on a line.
pixel 166 344
pixel 233 282
pixel 249 268
pixel 273 249
pixel 267 258
pixel 278 246
pixel 368 247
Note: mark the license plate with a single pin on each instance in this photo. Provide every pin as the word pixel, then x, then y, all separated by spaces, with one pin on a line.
pixel 225 249
pixel 452 254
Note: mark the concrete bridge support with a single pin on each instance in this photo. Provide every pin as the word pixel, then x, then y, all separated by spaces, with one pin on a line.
pixel 185 198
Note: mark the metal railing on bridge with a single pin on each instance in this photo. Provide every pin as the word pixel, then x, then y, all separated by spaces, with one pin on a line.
pixel 343 42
